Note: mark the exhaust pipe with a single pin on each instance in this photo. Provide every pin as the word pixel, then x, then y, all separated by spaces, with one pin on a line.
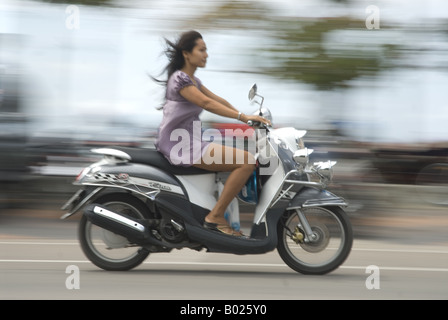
pixel 120 224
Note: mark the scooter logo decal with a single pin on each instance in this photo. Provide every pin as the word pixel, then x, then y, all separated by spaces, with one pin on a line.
pixel 123 176
pixel 112 178
pixel 105 177
pixel 157 185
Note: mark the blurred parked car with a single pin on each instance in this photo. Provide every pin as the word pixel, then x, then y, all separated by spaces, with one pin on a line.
pixel 402 163
pixel 13 128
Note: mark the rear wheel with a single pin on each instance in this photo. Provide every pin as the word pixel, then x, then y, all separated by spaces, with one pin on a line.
pixel 106 249
pixel 327 250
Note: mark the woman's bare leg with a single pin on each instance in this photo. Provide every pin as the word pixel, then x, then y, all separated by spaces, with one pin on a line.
pixel 241 167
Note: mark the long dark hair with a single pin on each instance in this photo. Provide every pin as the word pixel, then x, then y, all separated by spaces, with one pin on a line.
pixel 174 51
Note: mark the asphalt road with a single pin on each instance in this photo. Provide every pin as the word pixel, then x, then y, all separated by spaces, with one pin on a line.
pixel 40 258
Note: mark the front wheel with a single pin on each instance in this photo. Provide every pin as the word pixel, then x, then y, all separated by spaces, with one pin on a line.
pixel 322 253
pixel 106 249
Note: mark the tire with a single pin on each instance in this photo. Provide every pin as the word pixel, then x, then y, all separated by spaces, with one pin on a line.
pixel 335 239
pixel 108 250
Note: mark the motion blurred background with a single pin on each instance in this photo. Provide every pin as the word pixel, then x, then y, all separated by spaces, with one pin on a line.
pixel 367 79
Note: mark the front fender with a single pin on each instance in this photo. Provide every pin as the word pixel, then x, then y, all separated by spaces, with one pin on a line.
pixel 311 197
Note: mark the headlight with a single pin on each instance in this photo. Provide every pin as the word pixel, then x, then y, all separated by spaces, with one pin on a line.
pixel 324 169
pixel 301 156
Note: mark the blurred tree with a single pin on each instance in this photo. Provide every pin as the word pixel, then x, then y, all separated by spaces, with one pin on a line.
pixel 301 53
pixel 299 49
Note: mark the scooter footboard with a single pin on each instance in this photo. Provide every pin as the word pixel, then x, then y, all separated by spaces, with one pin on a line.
pixel 219 242
pixel 181 208
pixel 311 197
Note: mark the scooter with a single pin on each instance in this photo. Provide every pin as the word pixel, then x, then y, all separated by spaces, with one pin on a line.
pixel 136 203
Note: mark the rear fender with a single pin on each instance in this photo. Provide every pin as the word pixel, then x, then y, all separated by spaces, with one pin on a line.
pixel 79 199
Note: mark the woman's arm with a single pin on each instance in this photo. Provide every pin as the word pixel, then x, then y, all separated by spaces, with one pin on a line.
pixel 225 109
pixel 206 101
pixel 213 96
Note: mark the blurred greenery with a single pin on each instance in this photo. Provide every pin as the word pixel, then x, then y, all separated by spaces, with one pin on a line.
pixel 299 51
pixel 301 48
pixel 303 57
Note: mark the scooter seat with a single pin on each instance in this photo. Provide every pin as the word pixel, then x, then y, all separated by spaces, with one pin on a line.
pixel 154 158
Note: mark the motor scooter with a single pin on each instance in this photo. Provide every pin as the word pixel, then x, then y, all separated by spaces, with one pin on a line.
pixel 135 203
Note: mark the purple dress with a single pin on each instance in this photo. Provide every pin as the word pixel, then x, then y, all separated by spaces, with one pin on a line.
pixel 180 133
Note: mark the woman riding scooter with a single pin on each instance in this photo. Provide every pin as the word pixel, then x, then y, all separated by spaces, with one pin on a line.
pixel 186 98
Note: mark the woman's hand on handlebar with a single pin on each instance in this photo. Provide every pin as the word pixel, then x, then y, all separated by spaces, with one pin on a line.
pixel 253 119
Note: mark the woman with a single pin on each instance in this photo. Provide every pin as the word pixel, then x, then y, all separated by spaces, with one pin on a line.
pixel 186 98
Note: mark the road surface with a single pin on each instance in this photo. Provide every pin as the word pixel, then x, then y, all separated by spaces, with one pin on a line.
pixel 40 258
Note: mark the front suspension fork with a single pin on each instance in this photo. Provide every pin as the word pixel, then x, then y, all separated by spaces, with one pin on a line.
pixel 303 231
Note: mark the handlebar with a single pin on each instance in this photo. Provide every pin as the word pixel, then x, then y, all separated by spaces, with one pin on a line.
pixel 257 124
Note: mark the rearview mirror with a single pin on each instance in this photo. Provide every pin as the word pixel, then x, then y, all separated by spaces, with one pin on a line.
pixel 253 92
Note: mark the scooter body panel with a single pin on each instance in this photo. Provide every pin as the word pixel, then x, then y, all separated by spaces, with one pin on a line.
pixel 271 189
pixel 133 176
pixel 201 189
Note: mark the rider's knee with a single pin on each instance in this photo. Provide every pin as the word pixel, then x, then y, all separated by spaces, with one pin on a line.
pixel 250 163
